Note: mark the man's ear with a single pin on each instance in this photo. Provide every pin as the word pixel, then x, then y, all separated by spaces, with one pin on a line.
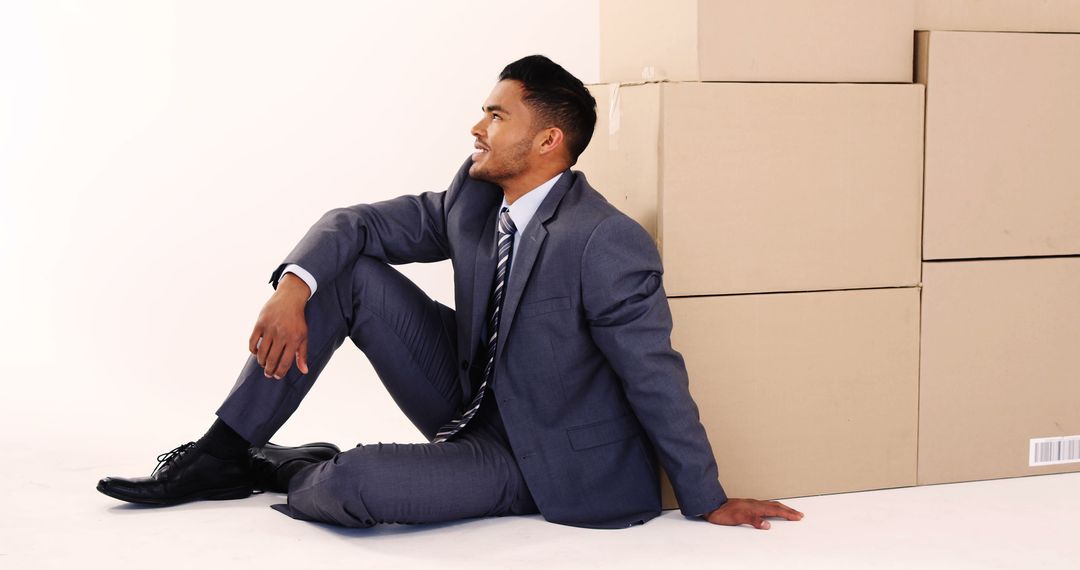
pixel 551 139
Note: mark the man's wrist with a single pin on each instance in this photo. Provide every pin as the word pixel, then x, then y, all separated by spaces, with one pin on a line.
pixel 710 511
pixel 290 283
pixel 303 275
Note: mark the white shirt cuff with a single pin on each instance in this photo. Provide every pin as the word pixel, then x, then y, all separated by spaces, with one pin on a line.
pixel 302 274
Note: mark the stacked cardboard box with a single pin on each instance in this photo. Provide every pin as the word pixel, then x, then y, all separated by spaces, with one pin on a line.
pixel 805 393
pixel 1000 379
pixel 756 40
pixel 788 215
pixel 1002 140
pixel 1000 395
pixel 998 15
pixel 767 187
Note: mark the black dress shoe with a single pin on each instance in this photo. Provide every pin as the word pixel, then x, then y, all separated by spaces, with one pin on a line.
pixel 273 465
pixel 185 474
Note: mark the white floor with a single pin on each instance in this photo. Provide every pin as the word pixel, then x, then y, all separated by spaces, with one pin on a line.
pixel 54 518
pixel 61 430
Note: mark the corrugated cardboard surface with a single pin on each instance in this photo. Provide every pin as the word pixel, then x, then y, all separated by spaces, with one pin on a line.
pixel 1000 365
pixel 1002 141
pixel 621 161
pixel 762 40
pixel 998 15
pixel 767 187
pixel 804 393
pixel 642 39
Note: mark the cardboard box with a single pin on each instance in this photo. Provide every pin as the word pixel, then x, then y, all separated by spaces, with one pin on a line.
pixel 762 40
pixel 1002 141
pixel 1000 366
pixel 804 393
pixel 751 187
pixel 998 15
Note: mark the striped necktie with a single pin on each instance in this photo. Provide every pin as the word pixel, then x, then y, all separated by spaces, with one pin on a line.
pixel 502 271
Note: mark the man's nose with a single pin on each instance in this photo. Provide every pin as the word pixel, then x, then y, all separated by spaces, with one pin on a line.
pixel 478 129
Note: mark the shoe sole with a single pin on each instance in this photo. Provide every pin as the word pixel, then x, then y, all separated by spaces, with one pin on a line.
pixel 226 494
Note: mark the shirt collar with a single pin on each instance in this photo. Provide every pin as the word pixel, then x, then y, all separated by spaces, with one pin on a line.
pixel 523 209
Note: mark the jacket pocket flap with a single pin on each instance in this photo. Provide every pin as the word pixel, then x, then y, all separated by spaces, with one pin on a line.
pixel 607 431
pixel 545 306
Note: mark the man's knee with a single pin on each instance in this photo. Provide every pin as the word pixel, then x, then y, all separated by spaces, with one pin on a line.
pixel 380 288
pixel 336 491
pixel 366 284
pixel 368 270
pixel 367 264
pixel 373 280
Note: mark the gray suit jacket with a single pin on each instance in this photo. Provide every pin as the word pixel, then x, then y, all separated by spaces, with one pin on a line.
pixel 591 391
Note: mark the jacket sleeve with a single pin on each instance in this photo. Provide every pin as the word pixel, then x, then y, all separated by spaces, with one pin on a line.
pixel 630 321
pixel 406 229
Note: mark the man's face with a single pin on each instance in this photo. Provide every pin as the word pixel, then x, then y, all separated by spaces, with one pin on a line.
pixel 505 136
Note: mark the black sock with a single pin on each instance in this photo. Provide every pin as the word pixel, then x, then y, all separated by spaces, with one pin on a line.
pixel 223 442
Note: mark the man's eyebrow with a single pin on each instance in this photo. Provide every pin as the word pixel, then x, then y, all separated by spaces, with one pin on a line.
pixel 494 108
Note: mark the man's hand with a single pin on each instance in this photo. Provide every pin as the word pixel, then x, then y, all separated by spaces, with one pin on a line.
pixel 735 512
pixel 280 332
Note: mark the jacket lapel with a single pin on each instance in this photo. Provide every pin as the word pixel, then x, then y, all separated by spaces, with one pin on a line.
pixel 532 238
pixel 483 278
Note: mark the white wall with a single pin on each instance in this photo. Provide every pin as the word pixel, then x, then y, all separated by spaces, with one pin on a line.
pixel 159 159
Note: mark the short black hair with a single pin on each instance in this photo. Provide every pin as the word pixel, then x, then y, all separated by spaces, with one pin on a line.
pixel 557 97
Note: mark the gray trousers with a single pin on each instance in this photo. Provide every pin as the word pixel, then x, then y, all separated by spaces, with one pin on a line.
pixel 409 339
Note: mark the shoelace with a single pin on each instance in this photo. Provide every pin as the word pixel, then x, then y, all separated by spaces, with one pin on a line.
pixel 169 457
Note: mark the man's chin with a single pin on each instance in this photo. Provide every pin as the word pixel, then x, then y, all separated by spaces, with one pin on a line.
pixel 476 171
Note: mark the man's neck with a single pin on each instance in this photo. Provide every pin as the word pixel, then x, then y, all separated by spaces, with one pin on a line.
pixel 517 188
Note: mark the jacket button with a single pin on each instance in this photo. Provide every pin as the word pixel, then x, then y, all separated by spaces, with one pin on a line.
pixel 464 364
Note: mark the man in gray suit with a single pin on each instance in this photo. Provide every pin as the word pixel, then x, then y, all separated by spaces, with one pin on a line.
pixel 552 388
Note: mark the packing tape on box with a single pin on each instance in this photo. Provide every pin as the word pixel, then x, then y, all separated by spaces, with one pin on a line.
pixel 614 116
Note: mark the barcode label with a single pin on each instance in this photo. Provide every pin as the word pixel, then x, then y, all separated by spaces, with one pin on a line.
pixel 1054 450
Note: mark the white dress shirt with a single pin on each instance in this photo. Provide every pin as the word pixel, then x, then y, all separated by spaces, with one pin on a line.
pixel 521 211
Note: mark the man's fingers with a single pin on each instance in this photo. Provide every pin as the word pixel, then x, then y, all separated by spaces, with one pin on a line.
pixel 272 358
pixel 784 511
pixel 301 356
pixel 759 522
pixel 288 353
pixel 253 342
pixel 263 350
pixel 790 513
